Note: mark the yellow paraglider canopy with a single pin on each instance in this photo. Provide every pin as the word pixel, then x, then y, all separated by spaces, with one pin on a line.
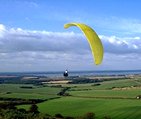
pixel 93 39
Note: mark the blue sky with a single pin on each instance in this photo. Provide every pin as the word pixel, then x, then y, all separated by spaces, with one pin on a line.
pixel 32 37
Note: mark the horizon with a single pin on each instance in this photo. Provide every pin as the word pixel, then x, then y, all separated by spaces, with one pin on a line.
pixel 33 38
pixel 72 71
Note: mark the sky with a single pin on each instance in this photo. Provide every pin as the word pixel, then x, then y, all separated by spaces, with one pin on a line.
pixel 33 38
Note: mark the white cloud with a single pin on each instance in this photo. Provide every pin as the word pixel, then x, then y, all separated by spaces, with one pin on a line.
pixel 42 50
pixel 2 30
pixel 124 45
pixel 18 40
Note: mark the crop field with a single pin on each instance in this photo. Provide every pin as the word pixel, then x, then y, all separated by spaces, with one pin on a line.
pixel 116 99
pixel 115 108
pixel 36 92
pixel 109 89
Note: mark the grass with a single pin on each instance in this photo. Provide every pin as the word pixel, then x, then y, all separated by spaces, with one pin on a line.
pixel 106 89
pixel 71 106
pixel 108 93
pixel 102 99
pixel 37 92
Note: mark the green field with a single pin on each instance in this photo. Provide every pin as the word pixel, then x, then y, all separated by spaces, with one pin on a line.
pixel 116 99
pixel 116 108
pixel 37 92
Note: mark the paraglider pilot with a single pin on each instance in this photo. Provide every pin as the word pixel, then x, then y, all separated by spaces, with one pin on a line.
pixel 66 73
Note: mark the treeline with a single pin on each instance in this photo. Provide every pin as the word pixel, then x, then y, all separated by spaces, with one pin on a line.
pixel 84 80
pixel 63 92
pixel 7 103
pixel 33 113
pixel 18 80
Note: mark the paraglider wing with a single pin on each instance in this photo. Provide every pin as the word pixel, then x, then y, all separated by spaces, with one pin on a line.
pixel 93 39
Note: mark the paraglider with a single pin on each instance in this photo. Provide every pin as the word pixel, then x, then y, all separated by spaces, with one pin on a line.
pixel 93 39
pixel 65 73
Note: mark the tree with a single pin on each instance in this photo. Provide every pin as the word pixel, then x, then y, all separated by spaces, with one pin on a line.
pixel 34 109
pixel 89 115
pixel 107 117
pixel 59 116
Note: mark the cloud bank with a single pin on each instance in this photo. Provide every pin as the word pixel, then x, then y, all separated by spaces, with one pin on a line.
pixel 45 50
pixel 19 40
